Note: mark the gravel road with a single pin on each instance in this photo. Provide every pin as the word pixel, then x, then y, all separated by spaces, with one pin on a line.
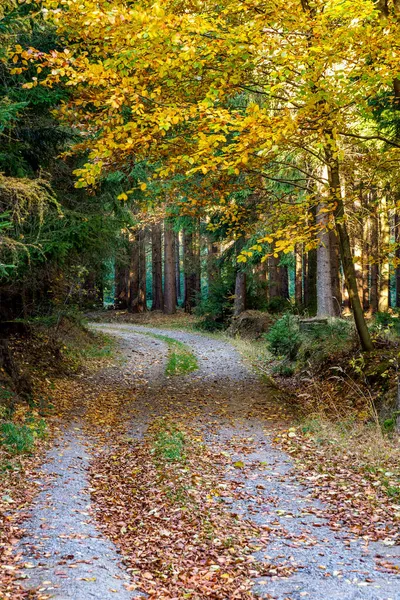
pixel 223 395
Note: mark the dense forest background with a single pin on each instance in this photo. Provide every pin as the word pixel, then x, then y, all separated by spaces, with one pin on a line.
pixel 289 203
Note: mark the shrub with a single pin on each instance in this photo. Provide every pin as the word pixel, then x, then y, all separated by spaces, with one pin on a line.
pixel 20 438
pixel 284 337
pixel 215 310
pixel 327 340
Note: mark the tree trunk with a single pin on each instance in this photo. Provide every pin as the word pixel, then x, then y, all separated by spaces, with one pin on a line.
pixel 189 266
pixel 345 249
pixel 274 279
pixel 374 232
pixel 197 261
pixel 240 293
pixel 212 267
pixel 122 279
pixel 384 279
pixel 365 264
pixel 178 267
pixel 169 269
pixel 298 276
pixel 137 287
pixel 156 256
pixel 324 278
pixel 397 240
pixel 335 272
pixel 310 273
pixel 142 296
pixel 284 281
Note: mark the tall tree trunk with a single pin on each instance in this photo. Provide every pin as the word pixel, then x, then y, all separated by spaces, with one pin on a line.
pixel 156 256
pixel 240 293
pixel 274 279
pixel 197 261
pixel 134 276
pixel 345 248
pixel 335 272
pixel 137 295
pixel 324 279
pixel 384 279
pixel 357 246
pixel 310 272
pixel 121 295
pixel 365 264
pixel 169 269
pixel 298 276
pixel 374 254
pixel 284 281
pixel 397 240
pixel 212 266
pixel 178 267
pixel 240 283
pixel 142 297
pixel 189 273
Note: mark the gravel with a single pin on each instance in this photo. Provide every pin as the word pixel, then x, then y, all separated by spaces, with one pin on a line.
pixel 330 564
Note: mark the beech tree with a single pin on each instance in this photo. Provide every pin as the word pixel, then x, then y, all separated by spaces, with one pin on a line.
pixel 278 100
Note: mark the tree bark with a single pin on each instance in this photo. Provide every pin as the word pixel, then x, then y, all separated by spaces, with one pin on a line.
pixel 310 273
pixel 335 272
pixel 325 306
pixel 365 264
pixel 374 232
pixel 298 276
pixel 156 256
pixel 191 265
pixel 274 279
pixel 345 248
pixel 240 293
pixel 384 279
pixel 397 240
pixel 169 269
pixel 212 267
pixel 178 267
pixel 137 287
pixel 284 281
pixel 121 295
pixel 197 261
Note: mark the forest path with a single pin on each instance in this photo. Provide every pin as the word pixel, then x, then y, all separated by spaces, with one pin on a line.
pixel 232 409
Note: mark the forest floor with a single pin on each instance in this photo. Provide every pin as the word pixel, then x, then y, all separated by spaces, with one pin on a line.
pixel 189 486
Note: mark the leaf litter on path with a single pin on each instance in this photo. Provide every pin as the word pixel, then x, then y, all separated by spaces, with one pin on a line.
pixel 202 527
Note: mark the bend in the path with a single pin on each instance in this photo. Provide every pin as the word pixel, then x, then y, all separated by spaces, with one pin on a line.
pixel 330 564
pixel 217 359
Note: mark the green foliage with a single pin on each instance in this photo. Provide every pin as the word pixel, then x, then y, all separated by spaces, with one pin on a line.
pixel 17 439
pixel 215 309
pixel 277 305
pixel 284 337
pixel 325 340
pixel 20 439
